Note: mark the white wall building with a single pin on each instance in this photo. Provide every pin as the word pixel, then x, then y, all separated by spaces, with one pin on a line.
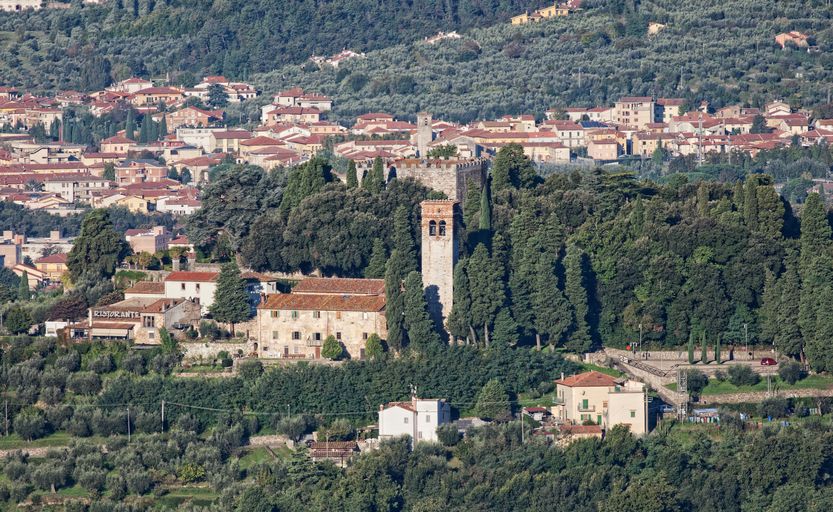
pixel 418 418
pixel 603 400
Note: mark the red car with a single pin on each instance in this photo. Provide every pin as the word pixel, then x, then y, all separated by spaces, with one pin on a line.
pixel 768 361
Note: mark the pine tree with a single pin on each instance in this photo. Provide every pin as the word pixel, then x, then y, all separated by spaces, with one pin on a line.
pixel 459 319
pixel 352 178
pixel 395 272
pixel 98 249
pixel 23 292
pixel 376 266
pixel 576 292
pixel 231 300
pixel 418 324
pixel 130 125
pixel 403 238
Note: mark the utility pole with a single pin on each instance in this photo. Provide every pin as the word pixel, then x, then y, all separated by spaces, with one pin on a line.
pixel 579 79
pixel 163 416
pixel 128 424
pixel 6 404
pixel 746 339
pixel 522 426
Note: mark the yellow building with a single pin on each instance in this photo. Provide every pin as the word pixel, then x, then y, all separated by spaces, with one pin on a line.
pixel 603 400
pixel 53 266
pixel 552 11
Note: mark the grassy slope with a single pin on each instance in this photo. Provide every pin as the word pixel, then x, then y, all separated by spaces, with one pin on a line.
pixel 725 49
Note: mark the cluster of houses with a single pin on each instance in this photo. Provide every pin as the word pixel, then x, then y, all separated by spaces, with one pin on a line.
pixel 551 11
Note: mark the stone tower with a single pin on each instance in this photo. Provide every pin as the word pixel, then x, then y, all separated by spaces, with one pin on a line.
pixel 440 248
pixel 424 134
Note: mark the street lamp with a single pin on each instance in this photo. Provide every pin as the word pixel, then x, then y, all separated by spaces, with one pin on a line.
pixel 746 339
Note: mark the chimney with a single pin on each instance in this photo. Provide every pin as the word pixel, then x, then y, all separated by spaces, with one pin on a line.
pixel 562 375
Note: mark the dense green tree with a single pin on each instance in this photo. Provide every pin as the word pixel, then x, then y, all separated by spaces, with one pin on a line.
pixel 304 181
pixel 17 320
pixel 374 180
pixel 332 349
pixel 376 266
pixel 395 272
pixel 352 178
pixel 418 323
pixel 231 300
pixel 486 290
pixel 459 319
pixel 23 291
pixel 553 316
pixel 576 292
pixel 97 250
pixel 506 331
pixel 492 401
pixel 374 350
pixel 403 238
pixel 130 125
pixel 511 169
pixel 217 96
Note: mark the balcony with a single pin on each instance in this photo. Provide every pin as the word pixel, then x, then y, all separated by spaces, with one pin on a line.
pixel 314 343
pixel 587 408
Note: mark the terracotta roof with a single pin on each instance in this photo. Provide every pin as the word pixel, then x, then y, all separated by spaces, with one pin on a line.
pixel 232 134
pixel 581 429
pixel 340 286
pixel 53 258
pixel 588 380
pixel 311 302
pixel 185 275
pixel 147 287
pixel 404 405
pixel 180 240
pixel 334 445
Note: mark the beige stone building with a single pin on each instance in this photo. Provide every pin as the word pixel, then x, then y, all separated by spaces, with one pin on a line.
pixel 603 400
pixel 295 325
pixel 604 150
pixel 636 111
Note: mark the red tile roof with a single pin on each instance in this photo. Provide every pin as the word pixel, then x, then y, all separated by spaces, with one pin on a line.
pixel 588 380
pixel 340 286
pixel 310 302
pixel 53 258
pixel 189 276
pixel 147 287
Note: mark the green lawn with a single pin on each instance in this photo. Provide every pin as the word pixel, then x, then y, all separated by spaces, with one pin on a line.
pixel 607 371
pixel 14 441
pixel 74 492
pixel 716 387
pixel 254 456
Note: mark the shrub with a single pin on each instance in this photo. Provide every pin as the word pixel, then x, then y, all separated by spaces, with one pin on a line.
pixel 51 395
pixel 775 407
pixel 84 383
pixel 448 434
pixel 189 423
pixel 697 380
pixel 189 473
pixel 250 370
pixel 791 372
pixel 30 424
pixel 102 364
pixel 742 375
pixel 293 427
pixel 138 481
pixel 332 349
pixel 92 479
pixel 70 362
pixel 492 401
pixel 54 378
pixel 546 387
pixel 134 363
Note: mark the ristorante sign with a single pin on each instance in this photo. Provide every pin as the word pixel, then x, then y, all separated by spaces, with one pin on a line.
pixel 109 313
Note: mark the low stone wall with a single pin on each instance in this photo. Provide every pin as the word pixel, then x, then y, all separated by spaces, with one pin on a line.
pixel 196 352
pixel 759 396
pixel 682 355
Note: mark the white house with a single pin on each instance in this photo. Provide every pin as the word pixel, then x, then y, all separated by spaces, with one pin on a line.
pixel 418 418
pixel 192 285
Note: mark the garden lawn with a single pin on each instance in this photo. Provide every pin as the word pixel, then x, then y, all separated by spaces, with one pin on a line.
pixel 716 387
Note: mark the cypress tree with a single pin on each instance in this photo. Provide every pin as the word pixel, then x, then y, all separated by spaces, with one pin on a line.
pixel 130 125
pixel 815 244
pixel 153 131
pixel 750 204
pixel 506 329
pixel 23 292
pixel 418 324
pixel 471 207
pixel 374 181
pixel 576 292
pixel 403 238
pixel 395 272
pixel 788 337
pixel 818 347
pixel 485 209
pixel 352 178
pixel 459 319
pixel 376 266
pixel 163 127
pixel 552 311
pixel 717 350
pixel 737 196
pixel 144 131
pixel 524 258
pixel 704 355
pixel 231 300
pixel 770 306
pixel 486 290
pixel 703 199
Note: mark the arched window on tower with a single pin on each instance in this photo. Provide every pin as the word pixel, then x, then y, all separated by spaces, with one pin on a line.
pixel 442 228
pixel 432 228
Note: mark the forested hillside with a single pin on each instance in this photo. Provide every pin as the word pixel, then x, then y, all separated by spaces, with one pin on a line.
pixel 82 47
pixel 725 51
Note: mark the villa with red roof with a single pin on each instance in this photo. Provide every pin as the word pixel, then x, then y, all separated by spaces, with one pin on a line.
pixel 600 399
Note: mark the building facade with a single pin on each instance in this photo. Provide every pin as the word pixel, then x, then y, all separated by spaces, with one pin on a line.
pixel 603 400
pixel 418 418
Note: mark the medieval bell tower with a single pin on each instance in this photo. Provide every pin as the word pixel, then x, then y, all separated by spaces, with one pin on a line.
pixel 424 134
pixel 440 249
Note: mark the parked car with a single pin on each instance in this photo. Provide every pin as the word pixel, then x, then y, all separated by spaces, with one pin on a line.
pixel 664 409
pixel 768 361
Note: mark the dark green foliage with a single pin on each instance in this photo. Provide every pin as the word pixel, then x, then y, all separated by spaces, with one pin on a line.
pixel 98 249
pixel 352 178
pixel 492 401
pixel 511 169
pixel 231 300
pixel 459 320
pixel 30 424
pixel 742 375
pixel 376 266
pixel 17 320
pixel 374 181
pixel 23 292
pixel 696 381
pixel 304 181
pixel 332 349
pixel 791 372
pixel 395 272
pixel 418 323
pixel 374 349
